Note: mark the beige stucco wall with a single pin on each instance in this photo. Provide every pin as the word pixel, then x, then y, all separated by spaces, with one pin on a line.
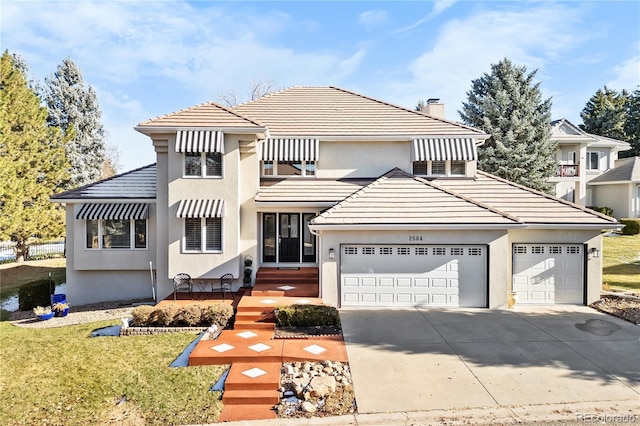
pixel 617 196
pixel 496 240
pixel 249 218
pixel 362 159
pixel 592 238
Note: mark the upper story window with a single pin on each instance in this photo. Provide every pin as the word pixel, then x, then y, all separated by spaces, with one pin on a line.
pixel 289 156
pixel 203 152
pixel 105 234
pixel 203 164
pixel 440 168
pixel 203 234
pixel 593 160
pixel 289 168
pixel 443 156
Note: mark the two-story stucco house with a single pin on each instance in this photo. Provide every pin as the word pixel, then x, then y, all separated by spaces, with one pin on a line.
pixel 386 202
pixel 583 157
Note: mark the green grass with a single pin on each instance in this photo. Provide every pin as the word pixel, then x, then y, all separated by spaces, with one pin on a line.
pixel 14 275
pixel 621 262
pixel 61 376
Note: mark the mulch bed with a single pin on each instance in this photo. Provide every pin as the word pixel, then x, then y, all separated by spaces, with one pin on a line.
pixel 627 308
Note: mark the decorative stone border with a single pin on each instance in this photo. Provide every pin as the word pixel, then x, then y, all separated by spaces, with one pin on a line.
pixel 144 331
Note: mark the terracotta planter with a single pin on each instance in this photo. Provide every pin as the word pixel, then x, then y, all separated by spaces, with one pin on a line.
pixel 512 299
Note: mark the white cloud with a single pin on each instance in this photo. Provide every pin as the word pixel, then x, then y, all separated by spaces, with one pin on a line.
pixel 465 48
pixel 627 75
pixel 373 18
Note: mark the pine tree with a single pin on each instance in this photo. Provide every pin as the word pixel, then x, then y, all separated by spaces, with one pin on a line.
pixel 32 163
pixel 74 107
pixel 605 114
pixel 632 126
pixel 508 105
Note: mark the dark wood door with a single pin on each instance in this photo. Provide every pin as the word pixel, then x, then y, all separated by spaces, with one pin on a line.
pixel 289 237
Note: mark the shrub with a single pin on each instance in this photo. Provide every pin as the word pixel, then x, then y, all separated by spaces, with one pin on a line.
pixel 306 316
pixel 632 226
pixel 189 315
pixel 166 314
pixel 604 210
pixel 218 314
pixel 142 315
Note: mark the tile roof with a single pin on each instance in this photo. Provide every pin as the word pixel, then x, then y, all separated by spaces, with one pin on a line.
pixel 335 112
pixel 136 184
pixel 208 114
pixel 308 190
pixel 528 205
pixel 626 170
pixel 399 198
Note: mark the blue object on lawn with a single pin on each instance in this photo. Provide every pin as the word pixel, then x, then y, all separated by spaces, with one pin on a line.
pixel 183 358
pixel 219 386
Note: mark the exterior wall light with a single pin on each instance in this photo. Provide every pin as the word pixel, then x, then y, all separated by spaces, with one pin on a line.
pixel 594 253
pixel 332 254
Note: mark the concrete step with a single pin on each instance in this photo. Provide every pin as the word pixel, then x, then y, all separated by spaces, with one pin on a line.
pixel 250 376
pixel 239 412
pixel 250 325
pixel 250 397
pixel 266 316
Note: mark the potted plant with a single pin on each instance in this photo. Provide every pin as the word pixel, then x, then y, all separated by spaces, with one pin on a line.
pixel 60 309
pixel 43 314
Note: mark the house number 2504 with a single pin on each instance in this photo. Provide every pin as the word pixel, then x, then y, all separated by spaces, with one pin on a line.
pixel 415 238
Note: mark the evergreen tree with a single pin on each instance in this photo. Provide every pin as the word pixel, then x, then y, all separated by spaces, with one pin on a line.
pixel 605 114
pixel 74 107
pixel 632 126
pixel 32 163
pixel 508 105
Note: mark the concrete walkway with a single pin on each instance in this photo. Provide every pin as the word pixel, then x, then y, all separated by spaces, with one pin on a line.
pixel 422 360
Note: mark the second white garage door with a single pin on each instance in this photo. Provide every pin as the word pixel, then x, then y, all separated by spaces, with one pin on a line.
pixel 403 276
pixel 548 273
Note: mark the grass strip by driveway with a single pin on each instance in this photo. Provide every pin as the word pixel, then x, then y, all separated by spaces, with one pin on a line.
pixel 61 376
pixel 621 262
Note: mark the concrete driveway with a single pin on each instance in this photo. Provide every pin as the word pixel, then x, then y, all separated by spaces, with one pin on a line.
pixel 426 359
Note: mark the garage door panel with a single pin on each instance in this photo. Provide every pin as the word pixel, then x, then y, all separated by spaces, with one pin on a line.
pixel 417 275
pixel 548 273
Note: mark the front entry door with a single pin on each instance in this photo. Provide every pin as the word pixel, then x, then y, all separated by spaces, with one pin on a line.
pixel 289 237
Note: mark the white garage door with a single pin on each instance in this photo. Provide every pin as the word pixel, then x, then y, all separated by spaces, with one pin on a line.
pixel 424 275
pixel 548 273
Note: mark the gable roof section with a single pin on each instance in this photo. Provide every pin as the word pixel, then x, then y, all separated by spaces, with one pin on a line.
pixel 136 184
pixel 334 112
pixel 209 114
pixel 400 199
pixel 563 130
pixel 530 206
pixel 604 142
pixel 627 170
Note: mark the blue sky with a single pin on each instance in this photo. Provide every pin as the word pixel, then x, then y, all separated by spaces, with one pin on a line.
pixel 149 58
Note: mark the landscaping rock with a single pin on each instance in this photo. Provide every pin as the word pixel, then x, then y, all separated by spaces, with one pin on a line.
pixel 309 407
pixel 323 385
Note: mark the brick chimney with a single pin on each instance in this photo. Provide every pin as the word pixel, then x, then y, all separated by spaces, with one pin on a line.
pixel 434 108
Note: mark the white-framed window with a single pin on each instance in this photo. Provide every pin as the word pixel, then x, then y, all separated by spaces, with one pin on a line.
pixel 203 234
pixel 439 168
pixel 573 158
pixel 202 164
pixel 593 160
pixel 289 168
pixel 112 234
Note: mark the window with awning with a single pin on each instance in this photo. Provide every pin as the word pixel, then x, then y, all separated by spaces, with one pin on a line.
pixel 444 149
pixel 200 208
pixel 113 211
pixel 290 149
pixel 200 141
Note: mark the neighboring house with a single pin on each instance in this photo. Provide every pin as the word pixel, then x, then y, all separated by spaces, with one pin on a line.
pixel 581 157
pixel 619 188
pixel 385 201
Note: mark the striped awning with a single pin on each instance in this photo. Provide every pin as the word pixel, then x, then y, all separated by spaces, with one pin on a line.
pixel 276 149
pixel 200 141
pixel 442 149
pixel 200 208
pixel 113 211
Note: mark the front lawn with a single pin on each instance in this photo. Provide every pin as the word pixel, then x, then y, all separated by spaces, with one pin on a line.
pixel 62 376
pixel 621 262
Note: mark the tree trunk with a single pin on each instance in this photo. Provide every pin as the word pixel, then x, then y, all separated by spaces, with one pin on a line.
pixel 22 251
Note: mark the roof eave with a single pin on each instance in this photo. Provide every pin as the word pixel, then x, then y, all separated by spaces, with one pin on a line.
pixel 411 226
pixel 150 130
pixel 295 204
pixel 585 226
